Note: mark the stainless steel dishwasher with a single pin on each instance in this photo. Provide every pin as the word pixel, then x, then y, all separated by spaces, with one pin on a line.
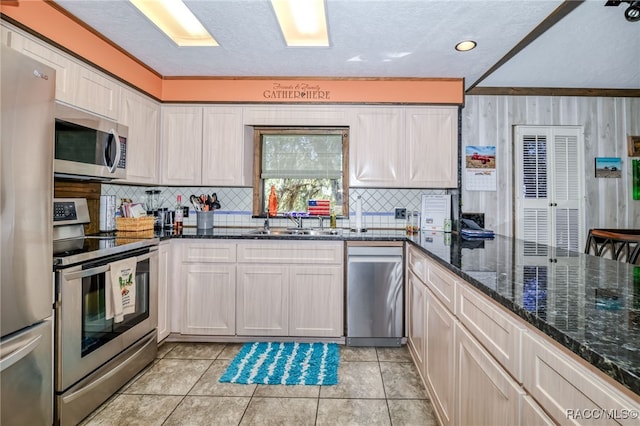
pixel 375 281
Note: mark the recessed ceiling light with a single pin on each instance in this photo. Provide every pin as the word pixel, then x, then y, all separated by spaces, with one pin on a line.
pixel 466 45
pixel 303 22
pixel 175 19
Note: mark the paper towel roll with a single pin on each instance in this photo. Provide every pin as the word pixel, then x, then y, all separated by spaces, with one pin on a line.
pixel 359 214
pixel 107 213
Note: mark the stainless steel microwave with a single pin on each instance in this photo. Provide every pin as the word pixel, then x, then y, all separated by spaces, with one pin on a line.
pixel 89 146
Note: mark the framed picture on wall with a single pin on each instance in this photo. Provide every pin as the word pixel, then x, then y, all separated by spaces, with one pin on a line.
pixel 608 167
pixel 634 146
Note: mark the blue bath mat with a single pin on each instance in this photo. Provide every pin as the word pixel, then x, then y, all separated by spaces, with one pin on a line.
pixel 285 364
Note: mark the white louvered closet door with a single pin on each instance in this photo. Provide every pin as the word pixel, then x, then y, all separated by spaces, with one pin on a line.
pixel 550 186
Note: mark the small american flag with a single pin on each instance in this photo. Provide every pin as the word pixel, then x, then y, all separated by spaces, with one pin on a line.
pixel 318 207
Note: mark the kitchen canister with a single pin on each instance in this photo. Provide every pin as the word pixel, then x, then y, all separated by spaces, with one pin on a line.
pixel 204 220
pixel 107 213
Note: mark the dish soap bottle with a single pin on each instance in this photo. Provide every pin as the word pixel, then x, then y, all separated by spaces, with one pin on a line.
pixel 178 214
pixel 273 202
pixel 332 219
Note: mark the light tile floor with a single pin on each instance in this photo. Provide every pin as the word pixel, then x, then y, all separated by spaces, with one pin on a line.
pixel 377 386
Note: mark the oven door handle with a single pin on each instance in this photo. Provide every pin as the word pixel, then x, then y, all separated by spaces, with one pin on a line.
pixel 146 256
pixel 70 276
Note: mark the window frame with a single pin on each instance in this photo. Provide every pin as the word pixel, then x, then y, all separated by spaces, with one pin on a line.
pixel 258 187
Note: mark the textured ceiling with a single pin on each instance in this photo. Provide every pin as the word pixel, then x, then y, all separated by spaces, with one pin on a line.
pixel 592 47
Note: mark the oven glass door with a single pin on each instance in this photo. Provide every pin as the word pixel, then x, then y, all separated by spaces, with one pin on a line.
pixel 98 326
pixel 86 334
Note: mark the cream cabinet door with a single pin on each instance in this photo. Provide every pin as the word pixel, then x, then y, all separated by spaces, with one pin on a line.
pixel 96 93
pixel 164 276
pixel 532 414
pixel 431 156
pixel 569 391
pixel 485 394
pixel 208 299
pixel 262 300
pixel 316 301
pixel 415 318
pixel 498 332
pixel 439 356
pixel 223 156
pixel 66 69
pixel 142 117
pixel 376 142
pixel 181 142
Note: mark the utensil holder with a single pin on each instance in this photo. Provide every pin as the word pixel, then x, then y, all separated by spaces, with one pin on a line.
pixel 204 220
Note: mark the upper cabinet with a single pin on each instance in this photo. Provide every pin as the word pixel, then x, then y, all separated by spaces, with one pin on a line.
pixel 431 150
pixel 223 154
pixel 375 147
pixel 76 84
pixel 404 147
pixel 95 93
pixel 203 146
pixel 181 141
pixel 142 116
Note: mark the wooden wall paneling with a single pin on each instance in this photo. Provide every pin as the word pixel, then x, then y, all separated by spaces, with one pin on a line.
pixel 489 120
pixel 504 148
pixel 80 189
pixel 586 110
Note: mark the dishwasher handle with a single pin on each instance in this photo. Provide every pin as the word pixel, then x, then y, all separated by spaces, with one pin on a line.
pixel 375 259
pixel 379 251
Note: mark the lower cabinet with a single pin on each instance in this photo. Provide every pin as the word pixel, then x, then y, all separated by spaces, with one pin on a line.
pixel 164 276
pixel 208 297
pixel 206 288
pixel 263 300
pixel 483 366
pixel 315 301
pixel 570 391
pixel 294 289
pixel 415 318
pixel 256 288
pixel 439 365
pixel 485 393
pixel 532 414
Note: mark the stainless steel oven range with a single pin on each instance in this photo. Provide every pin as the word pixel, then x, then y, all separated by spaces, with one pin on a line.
pixel 98 350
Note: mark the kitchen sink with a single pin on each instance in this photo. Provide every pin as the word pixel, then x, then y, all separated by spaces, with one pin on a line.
pixel 283 232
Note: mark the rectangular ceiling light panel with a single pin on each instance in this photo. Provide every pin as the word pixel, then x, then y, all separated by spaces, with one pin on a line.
pixel 303 22
pixel 175 19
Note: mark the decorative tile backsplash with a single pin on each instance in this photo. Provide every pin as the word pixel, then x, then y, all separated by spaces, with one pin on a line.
pixel 378 205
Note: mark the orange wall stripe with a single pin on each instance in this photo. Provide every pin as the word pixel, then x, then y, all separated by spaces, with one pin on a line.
pixel 313 90
pixel 45 19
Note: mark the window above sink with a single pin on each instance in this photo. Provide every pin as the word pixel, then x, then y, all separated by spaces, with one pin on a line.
pixel 302 163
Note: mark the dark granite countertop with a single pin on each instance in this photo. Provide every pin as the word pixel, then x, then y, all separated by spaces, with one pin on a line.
pixel 244 233
pixel 588 304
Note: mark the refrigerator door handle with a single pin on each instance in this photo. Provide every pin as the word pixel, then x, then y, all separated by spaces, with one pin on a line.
pixel 17 350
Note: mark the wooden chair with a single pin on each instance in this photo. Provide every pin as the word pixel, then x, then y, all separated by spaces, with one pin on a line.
pixel 617 244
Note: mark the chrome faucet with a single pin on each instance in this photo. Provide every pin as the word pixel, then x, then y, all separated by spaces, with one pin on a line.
pixel 296 220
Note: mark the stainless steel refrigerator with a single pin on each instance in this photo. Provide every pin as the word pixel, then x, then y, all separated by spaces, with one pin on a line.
pixel 26 220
